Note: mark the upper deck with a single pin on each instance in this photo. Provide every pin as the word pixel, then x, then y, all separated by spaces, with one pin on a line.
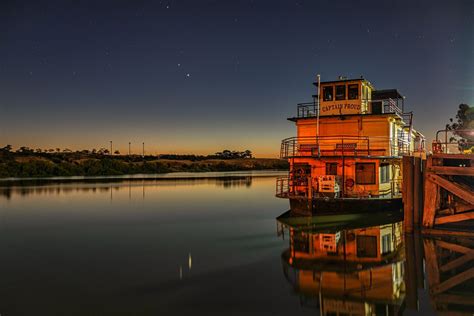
pixel 351 118
pixel 350 97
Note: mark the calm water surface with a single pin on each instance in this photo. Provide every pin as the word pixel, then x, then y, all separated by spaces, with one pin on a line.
pixel 209 246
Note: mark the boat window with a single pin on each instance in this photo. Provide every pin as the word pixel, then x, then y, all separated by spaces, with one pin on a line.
pixel 353 91
pixel 301 242
pixel 365 173
pixel 384 173
pixel 328 93
pixel 331 168
pixel 366 246
pixel 341 92
pixel 386 244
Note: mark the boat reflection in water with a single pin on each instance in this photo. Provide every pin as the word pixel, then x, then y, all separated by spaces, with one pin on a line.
pixel 341 266
pixel 364 265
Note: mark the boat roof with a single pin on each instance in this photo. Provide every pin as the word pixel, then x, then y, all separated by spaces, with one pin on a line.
pixel 344 80
pixel 386 94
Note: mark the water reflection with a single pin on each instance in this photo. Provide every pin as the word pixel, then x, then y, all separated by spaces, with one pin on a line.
pixel 186 245
pixel 208 246
pixel 449 264
pixel 346 266
pixel 351 271
pixel 96 185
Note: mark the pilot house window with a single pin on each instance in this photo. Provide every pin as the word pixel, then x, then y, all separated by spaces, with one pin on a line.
pixel 365 173
pixel 353 91
pixel 341 92
pixel 328 93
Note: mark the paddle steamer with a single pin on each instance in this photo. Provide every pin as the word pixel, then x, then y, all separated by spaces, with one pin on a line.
pixel 348 150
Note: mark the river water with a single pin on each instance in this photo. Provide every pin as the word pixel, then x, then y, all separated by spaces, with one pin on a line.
pixel 210 244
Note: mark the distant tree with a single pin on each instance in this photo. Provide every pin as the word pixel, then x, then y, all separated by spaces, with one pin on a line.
pixel 51 150
pixel 38 150
pixel 247 154
pixel 463 127
pixel 24 150
pixel 103 151
pixel 67 150
pixel 7 148
pixel 94 151
pixel 117 152
pixel 58 150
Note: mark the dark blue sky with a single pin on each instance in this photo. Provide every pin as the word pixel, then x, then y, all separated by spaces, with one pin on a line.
pixel 201 76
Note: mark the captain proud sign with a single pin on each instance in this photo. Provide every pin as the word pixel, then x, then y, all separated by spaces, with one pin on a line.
pixel 341 108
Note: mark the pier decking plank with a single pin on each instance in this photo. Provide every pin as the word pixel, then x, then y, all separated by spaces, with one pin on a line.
pixel 462 192
pixel 453 281
pixel 454 218
pixel 455 171
pixel 458 262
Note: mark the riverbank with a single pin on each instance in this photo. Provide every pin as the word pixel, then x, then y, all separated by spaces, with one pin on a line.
pixel 31 167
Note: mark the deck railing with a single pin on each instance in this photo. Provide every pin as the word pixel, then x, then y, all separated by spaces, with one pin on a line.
pixel 310 109
pixel 287 187
pixel 324 146
pixel 282 187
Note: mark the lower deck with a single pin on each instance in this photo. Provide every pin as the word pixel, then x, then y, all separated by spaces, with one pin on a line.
pixel 342 177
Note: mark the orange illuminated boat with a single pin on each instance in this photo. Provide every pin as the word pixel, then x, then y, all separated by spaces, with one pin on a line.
pixel 348 150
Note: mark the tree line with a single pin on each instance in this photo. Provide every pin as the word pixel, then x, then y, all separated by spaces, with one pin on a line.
pixel 26 162
pixel 27 151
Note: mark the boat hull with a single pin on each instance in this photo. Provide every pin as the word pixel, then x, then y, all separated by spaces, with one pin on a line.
pixel 315 206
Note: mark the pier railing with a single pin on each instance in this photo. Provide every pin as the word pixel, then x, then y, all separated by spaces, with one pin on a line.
pixel 453 141
pixel 324 146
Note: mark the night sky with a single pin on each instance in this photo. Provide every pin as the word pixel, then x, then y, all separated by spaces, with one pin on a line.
pixel 200 76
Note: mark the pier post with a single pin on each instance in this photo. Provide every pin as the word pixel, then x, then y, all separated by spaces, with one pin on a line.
pixel 408 193
pixel 411 276
pixel 418 246
pixel 417 192
pixel 430 198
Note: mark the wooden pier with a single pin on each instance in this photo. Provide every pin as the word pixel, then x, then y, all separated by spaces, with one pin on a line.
pixel 438 194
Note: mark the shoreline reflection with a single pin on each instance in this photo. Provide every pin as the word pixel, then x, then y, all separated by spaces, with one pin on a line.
pixel 7 192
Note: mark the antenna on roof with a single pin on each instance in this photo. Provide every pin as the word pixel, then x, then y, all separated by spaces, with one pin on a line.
pixel 318 78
